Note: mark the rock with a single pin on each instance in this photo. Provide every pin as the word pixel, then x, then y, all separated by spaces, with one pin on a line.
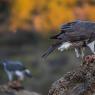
pixel 7 90
pixel 25 92
pixel 77 82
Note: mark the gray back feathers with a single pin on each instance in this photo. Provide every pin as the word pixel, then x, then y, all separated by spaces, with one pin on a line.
pixel 13 65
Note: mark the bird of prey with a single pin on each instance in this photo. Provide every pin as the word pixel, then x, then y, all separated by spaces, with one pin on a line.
pixel 15 68
pixel 74 32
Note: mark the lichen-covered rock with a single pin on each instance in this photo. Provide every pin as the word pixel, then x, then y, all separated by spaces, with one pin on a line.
pixel 78 82
pixel 25 92
pixel 10 89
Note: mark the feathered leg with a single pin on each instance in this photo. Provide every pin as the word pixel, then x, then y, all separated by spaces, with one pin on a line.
pixel 10 75
pixel 82 52
pixel 77 52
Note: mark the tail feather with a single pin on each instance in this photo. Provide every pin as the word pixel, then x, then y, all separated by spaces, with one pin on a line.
pixel 51 49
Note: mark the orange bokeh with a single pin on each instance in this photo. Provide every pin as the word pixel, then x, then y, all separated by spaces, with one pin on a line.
pixel 50 13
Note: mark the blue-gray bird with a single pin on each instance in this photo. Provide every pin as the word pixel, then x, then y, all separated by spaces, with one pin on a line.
pixel 15 68
pixel 74 32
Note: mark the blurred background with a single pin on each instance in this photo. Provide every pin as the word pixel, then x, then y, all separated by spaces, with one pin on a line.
pixel 25 28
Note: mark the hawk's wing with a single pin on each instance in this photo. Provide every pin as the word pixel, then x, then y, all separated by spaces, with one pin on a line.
pixel 76 36
pixel 73 36
pixel 65 28
pixel 14 65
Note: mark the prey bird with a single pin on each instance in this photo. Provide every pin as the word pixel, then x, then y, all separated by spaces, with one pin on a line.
pixel 15 68
pixel 74 32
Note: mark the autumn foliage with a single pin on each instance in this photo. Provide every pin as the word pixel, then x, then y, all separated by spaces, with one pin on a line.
pixel 47 14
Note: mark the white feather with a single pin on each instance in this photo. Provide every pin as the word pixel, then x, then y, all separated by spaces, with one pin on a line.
pixel 91 46
pixel 77 53
pixel 64 46
pixel 20 75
